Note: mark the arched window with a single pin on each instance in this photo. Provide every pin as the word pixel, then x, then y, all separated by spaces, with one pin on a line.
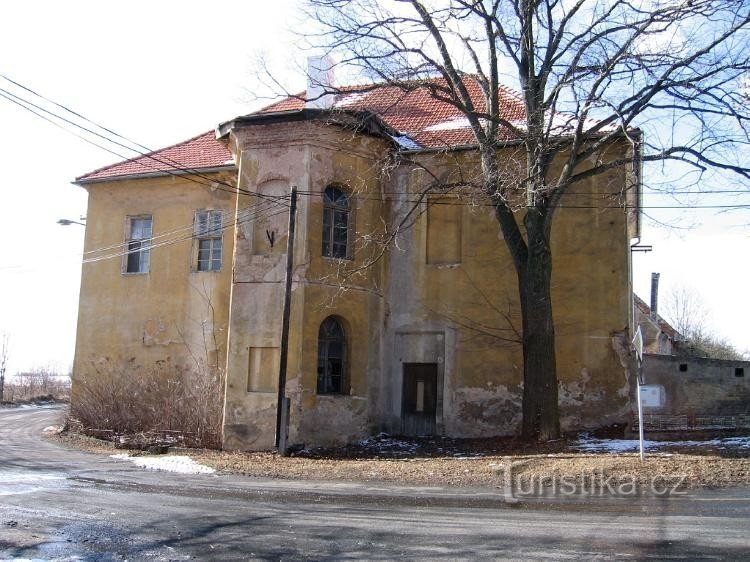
pixel 331 357
pixel 336 209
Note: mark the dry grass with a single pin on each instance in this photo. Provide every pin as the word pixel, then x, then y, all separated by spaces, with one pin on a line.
pixel 700 469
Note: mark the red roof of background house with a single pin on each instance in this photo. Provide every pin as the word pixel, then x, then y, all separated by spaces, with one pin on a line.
pixel 428 122
pixel 200 152
pixel 662 324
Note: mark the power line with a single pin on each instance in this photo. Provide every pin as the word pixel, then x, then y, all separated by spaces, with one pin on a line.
pixel 185 227
pixel 21 102
pixel 429 199
pixel 150 154
pixel 173 164
pixel 176 240
pixel 35 109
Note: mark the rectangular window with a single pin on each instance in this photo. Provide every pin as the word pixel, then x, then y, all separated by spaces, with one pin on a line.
pixel 444 226
pixel 208 232
pixel 337 217
pixel 139 244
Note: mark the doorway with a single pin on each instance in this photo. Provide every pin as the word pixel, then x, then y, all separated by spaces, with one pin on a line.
pixel 419 399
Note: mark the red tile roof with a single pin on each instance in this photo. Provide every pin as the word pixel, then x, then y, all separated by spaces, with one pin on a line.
pixel 414 112
pixel 200 152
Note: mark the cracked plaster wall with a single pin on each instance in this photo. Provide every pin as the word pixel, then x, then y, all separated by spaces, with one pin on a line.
pixel 310 156
pixel 137 320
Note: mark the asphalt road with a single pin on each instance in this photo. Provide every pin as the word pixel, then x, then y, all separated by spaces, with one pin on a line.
pixel 61 504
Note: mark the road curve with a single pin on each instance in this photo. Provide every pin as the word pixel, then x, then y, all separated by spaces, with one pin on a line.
pixel 61 504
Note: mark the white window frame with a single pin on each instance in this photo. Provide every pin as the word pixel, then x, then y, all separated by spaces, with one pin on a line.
pixel 144 250
pixel 208 230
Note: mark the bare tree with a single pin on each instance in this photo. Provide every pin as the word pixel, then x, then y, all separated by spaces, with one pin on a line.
pixel 686 312
pixel 663 78
pixel 4 350
pixel 690 318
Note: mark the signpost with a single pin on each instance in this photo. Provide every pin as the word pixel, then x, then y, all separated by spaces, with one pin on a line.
pixel 638 345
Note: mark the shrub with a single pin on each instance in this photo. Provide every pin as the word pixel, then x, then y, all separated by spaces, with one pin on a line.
pixel 160 402
pixel 36 385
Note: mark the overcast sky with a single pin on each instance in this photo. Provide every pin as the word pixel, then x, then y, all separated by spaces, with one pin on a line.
pixel 161 72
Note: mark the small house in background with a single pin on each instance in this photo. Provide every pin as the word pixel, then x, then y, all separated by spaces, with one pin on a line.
pixel 659 337
pixel 698 395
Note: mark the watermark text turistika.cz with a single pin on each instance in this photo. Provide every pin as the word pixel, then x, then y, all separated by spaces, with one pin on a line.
pixel 595 483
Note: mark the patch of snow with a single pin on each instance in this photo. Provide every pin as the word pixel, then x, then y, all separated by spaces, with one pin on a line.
pixel 450 124
pixel 384 443
pixel 406 142
pixel 12 482
pixel 350 99
pixel 39 406
pixel 177 463
pixel 13 477
pixel 590 444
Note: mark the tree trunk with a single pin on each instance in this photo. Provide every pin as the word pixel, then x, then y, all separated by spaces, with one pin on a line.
pixel 532 259
pixel 540 392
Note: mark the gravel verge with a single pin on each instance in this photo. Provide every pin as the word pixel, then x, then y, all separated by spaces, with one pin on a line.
pixel 458 463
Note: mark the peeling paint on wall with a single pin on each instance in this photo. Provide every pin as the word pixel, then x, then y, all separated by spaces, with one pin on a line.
pixel 155 332
pixel 485 412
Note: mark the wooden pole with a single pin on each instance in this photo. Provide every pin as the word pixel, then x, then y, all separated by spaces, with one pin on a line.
pixel 282 403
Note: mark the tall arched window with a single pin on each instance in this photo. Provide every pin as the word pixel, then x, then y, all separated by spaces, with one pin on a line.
pixel 336 209
pixel 331 357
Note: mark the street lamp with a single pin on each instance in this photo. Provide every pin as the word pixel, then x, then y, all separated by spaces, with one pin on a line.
pixel 66 222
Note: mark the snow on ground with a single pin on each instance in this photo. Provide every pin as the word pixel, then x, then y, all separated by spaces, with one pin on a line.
pixel 384 443
pixel 176 463
pixel 593 445
pixel 39 406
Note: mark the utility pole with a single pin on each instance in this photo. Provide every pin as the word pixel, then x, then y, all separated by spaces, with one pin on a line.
pixel 282 403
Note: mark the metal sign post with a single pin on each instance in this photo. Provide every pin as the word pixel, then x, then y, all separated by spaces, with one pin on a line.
pixel 638 345
pixel 640 414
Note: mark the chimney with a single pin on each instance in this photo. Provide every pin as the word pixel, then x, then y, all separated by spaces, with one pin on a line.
pixel 320 79
pixel 654 295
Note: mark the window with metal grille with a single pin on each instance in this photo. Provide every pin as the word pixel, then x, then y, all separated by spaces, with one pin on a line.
pixel 331 357
pixel 208 233
pixel 138 258
pixel 336 217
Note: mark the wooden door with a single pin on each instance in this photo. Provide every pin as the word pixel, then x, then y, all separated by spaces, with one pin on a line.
pixel 419 399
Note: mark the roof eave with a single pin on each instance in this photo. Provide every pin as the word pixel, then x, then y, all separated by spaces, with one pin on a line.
pixel 512 142
pixel 155 174
pixel 367 118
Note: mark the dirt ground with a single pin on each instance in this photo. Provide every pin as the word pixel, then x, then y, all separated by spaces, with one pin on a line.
pixel 478 462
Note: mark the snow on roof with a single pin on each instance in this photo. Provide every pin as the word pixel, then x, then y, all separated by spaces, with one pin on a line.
pixel 422 121
pixel 405 142
pixel 413 110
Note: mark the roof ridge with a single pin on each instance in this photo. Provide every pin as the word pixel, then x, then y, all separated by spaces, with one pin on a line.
pixel 367 87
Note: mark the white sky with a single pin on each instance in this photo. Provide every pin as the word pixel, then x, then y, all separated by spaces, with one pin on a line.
pixel 161 72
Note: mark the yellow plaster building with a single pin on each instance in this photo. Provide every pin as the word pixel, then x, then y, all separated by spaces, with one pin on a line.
pixel 404 303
